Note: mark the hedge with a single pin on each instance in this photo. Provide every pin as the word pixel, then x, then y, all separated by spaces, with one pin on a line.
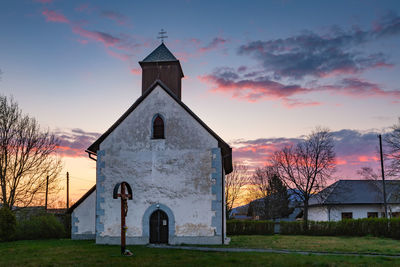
pixel 379 227
pixel 7 224
pixel 245 227
pixel 40 227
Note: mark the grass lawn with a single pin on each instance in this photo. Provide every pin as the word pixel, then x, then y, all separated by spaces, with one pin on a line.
pixel 86 253
pixel 319 243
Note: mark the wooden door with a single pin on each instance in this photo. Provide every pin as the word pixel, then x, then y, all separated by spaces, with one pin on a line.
pixel 159 227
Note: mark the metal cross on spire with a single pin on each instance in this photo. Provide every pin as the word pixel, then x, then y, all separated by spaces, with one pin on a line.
pixel 162 35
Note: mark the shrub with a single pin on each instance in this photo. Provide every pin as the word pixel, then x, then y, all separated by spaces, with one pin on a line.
pixel 40 227
pixel 291 228
pixel 245 227
pixel 7 224
pixel 380 227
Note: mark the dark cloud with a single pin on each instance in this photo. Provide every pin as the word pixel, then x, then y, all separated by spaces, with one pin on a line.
pixel 310 54
pixel 321 55
pixel 73 143
pixel 286 61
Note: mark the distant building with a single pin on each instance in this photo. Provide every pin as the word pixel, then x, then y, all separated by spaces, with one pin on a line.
pixel 355 199
pixel 256 208
pixel 173 161
pixel 240 213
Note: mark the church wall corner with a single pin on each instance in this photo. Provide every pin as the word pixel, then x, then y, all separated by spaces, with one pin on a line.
pixel 100 193
pixel 216 205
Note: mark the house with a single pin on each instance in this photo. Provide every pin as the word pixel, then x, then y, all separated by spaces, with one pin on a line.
pixel 174 163
pixel 355 199
pixel 240 213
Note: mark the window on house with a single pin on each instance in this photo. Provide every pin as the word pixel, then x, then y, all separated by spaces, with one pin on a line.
pixel 395 214
pixel 158 128
pixel 347 215
pixel 372 214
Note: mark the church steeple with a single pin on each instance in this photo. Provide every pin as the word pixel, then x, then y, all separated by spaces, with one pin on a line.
pixel 162 65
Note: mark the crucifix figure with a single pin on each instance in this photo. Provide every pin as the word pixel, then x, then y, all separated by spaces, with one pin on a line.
pixel 162 35
pixel 124 211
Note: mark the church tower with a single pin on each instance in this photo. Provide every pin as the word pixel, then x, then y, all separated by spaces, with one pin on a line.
pixel 162 65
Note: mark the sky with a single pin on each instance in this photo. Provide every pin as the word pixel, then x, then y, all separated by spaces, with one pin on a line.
pixel 261 74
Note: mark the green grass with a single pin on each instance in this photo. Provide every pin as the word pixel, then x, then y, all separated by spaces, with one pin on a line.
pixel 319 243
pixel 86 253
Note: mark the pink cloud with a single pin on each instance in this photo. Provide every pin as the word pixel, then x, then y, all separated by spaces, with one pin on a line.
pixel 120 56
pixel 73 143
pixel 107 39
pixel 215 43
pixel 82 41
pixel 357 87
pixel 115 16
pixel 82 7
pixel 44 1
pixel 353 149
pixel 136 71
pixel 54 16
pixel 257 90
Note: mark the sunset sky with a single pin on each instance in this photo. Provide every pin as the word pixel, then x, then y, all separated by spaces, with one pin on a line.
pixel 261 74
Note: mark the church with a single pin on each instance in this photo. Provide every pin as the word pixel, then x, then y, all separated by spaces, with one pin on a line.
pixel 174 163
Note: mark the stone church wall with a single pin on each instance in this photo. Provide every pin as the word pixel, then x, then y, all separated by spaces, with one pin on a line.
pixel 181 175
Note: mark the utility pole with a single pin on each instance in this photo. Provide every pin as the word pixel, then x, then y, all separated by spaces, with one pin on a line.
pixel 47 191
pixel 67 190
pixel 383 176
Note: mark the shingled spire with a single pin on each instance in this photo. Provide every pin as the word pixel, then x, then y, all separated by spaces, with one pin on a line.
pixel 162 65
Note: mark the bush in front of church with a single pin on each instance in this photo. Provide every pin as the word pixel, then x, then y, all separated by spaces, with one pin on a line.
pixel 7 224
pixel 40 227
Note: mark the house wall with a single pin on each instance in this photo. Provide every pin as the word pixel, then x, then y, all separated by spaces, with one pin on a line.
pixel 83 219
pixel 318 214
pixel 181 174
pixel 359 211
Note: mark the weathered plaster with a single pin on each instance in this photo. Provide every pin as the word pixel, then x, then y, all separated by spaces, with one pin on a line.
pixel 182 172
pixel 83 219
pixel 100 192
pixel 216 204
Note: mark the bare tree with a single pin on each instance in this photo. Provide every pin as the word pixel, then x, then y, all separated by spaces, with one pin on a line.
pixel 367 173
pixel 234 183
pixel 26 157
pixel 307 166
pixel 393 141
pixel 273 199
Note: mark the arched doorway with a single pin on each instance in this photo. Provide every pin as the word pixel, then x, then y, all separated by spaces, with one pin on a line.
pixel 159 227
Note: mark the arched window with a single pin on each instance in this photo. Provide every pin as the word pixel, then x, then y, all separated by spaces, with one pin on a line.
pixel 158 128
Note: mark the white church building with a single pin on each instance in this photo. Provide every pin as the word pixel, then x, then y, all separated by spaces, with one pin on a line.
pixel 173 162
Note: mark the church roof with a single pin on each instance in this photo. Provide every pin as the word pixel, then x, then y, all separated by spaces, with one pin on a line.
pixel 161 53
pixel 226 150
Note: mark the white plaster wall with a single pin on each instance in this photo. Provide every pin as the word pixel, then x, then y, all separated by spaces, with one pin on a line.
pixel 86 215
pixel 318 214
pixel 175 171
pixel 359 211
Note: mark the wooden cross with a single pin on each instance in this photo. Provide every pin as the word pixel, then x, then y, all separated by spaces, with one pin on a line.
pixel 162 35
pixel 124 211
